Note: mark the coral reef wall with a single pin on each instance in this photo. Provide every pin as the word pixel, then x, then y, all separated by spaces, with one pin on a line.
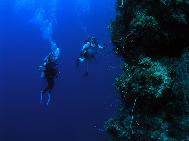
pixel 153 38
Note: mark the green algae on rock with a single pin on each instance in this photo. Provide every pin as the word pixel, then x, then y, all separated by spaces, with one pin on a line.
pixel 153 38
pixel 146 78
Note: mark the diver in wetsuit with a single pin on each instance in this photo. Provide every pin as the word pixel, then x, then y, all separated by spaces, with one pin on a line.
pixel 88 52
pixel 49 71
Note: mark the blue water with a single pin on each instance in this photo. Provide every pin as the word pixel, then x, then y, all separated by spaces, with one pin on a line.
pixel 80 105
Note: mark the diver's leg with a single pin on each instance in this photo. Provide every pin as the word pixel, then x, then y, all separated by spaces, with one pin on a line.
pixel 41 97
pixel 42 93
pixel 50 87
pixel 87 68
pixel 45 90
pixel 77 62
pixel 49 99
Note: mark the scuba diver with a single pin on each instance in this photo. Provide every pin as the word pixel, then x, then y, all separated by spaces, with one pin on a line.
pixel 88 52
pixel 49 71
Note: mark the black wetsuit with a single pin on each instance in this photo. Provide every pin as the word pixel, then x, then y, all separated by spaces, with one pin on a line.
pixel 50 73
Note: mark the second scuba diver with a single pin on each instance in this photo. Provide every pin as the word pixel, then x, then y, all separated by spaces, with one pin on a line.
pixel 88 52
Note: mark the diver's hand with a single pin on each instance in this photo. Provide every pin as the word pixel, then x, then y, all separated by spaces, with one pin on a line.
pixel 40 68
pixel 101 47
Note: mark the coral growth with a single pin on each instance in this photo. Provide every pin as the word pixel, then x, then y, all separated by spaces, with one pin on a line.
pixel 146 78
pixel 159 27
pixel 152 37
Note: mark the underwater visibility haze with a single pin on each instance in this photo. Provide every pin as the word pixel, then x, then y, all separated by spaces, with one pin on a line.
pixel 79 104
pixel 91 70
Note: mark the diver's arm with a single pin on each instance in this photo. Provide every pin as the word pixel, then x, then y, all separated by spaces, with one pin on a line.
pixel 41 68
pixel 100 47
pixel 49 99
pixel 85 46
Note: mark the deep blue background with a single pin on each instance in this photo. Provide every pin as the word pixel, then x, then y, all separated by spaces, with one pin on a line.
pixel 80 105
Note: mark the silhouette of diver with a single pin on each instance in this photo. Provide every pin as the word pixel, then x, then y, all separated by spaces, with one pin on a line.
pixel 88 52
pixel 49 71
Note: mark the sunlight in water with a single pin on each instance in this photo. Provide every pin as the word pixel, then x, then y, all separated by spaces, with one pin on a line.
pixel 44 16
pixel 82 6
pixel 44 23
pixel 23 5
pixel 82 10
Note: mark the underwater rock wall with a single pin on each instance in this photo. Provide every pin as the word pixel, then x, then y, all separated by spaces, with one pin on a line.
pixel 153 38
